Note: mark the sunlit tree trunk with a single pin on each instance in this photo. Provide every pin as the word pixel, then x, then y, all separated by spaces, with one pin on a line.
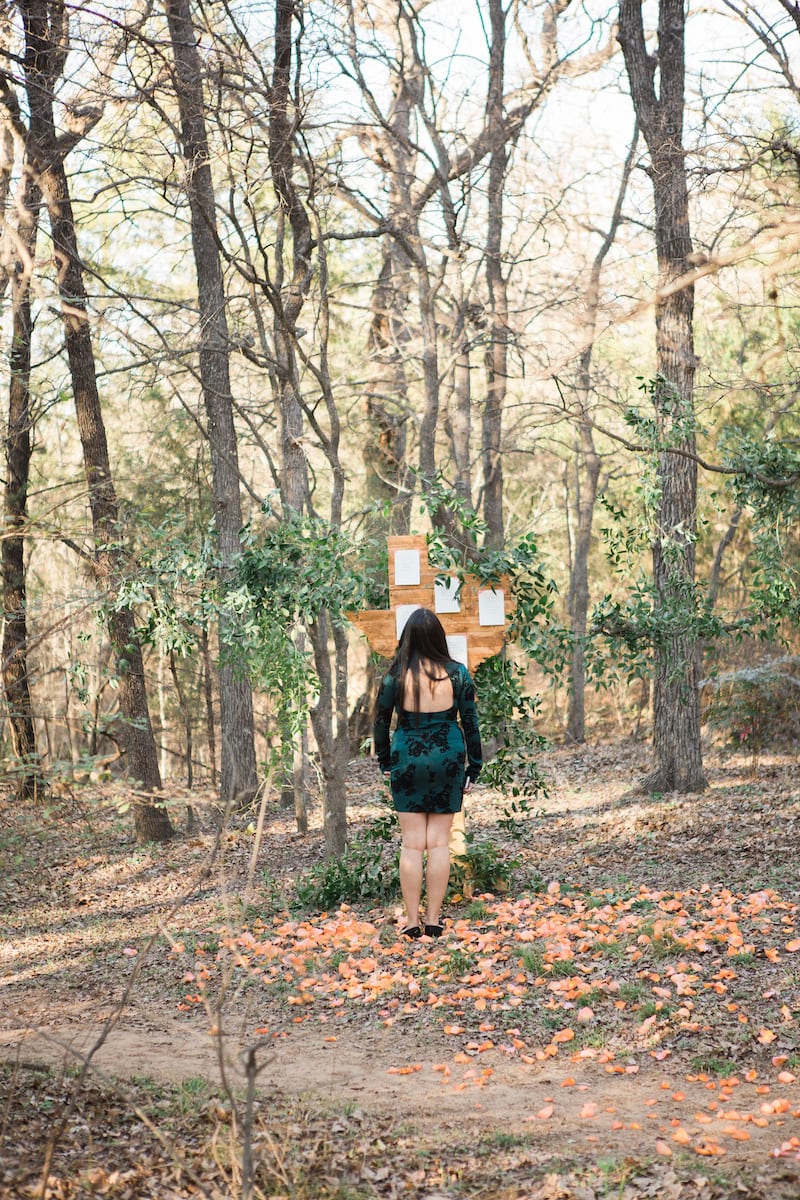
pixel 587 472
pixel 18 457
pixel 238 775
pixel 497 352
pixel 46 41
pixel 292 292
pixel 329 645
pixel 388 409
pixel 678 764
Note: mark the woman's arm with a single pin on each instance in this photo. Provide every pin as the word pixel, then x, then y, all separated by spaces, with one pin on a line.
pixel 383 720
pixel 469 723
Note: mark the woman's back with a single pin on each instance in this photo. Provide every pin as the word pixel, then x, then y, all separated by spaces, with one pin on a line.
pixel 435 689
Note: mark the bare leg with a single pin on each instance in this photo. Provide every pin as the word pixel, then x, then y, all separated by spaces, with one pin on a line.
pixel 413 828
pixel 438 869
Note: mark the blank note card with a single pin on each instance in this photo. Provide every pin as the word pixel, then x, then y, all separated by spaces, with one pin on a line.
pixel 445 596
pixel 402 613
pixel 406 568
pixel 491 607
pixel 457 647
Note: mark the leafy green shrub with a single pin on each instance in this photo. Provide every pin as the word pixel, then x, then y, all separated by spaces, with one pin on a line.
pixel 756 707
pixel 366 871
pixel 508 713
pixel 486 867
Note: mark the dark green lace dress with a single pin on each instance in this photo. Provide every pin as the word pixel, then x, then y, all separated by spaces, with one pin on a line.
pixel 427 753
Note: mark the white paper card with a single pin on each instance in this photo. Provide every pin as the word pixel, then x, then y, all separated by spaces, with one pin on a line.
pixel 492 607
pixel 457 647
pixel 402 613
pixel 445 596
pixel 406 568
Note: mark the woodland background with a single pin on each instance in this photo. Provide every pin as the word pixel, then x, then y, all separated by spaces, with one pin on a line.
pixel 278 279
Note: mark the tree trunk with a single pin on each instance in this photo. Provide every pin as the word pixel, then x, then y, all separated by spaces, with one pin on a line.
pixel 386 401
pixel 45 42
pixel 18 457
pixel 293 292
pixel 587 472
pixel 578 598
pixel 678 764
pixel 459 415
pixel 329 719
pixel 497 353
pixel 208 697
pixel 186 714
pixel 238 775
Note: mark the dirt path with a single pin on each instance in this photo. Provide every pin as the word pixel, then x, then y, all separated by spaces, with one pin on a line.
pixel 578 1108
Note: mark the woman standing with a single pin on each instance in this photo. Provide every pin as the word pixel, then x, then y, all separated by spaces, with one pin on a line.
pixel 426 758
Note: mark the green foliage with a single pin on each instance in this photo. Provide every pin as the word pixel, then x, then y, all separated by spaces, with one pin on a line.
pixel 520 561
pixel 755 707
pixel 458 961
pixel 713 1064
pixel 290 574
pixel 673 419
pixel 766 480
pixel 486 867
pixel 626 538
pixel 503 701
pixel 300 567
pixel 517 812
pixel 364 872
pixel 508 713
pixel 174 586
pixel 531 959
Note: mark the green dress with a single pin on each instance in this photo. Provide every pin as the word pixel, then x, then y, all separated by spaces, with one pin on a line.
pixel 427 751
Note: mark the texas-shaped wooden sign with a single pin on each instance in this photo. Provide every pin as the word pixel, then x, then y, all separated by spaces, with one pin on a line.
pixel 475 615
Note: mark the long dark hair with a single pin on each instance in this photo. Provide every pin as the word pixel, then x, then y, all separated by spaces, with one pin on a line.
pixel 423 640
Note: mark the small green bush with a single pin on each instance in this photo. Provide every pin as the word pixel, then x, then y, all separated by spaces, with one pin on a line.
pixel 486 867
pixel 756 707
pixel 366 871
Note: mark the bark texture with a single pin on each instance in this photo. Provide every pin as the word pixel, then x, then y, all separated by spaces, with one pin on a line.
pixel 238 774
pixel 296 208
pixel 387 407
pixel 294 289
pixel 497 352
pixel 46 41
pixel 659 110
pixel 587 472
pixel 16 669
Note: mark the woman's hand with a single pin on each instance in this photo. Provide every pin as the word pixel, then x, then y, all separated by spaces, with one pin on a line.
pixel 467 786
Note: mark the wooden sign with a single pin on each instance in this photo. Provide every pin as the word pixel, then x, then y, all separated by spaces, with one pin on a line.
pixel 474 614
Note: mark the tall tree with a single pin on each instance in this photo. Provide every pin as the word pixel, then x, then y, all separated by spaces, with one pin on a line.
pixel 238 776
pixel 657 83
pixel 586 472
pixel 46 34
pixel 289 293
pixel 497 285
pixel 16 677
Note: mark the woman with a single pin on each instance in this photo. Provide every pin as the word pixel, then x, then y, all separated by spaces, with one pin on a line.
pixel 425 760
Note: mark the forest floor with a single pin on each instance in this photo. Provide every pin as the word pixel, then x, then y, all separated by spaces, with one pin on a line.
pixel 622 1021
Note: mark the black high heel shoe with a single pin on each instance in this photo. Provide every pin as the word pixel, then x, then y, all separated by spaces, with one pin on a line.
pixel 412 931
pixel 434 931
